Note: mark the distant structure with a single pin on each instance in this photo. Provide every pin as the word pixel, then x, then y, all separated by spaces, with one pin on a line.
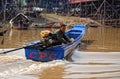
pixel 106 12
pixel 20 21
pixel 52 5
pixel 8 9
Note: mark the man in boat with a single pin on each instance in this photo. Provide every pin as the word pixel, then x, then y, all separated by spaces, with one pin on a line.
pixel 58 38
pixel 61 36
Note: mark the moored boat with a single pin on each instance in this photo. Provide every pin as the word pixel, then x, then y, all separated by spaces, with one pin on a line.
pixel 37 52
pixel 43 25
pixel 20 22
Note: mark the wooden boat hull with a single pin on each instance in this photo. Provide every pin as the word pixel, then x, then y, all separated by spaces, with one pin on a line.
pixel 21 28
pixel 44 25
pixel 57 52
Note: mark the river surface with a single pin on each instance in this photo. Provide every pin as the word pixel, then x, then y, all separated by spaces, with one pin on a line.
pixel 98 57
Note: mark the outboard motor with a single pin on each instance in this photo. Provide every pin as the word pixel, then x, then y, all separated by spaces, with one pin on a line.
pixel 47 38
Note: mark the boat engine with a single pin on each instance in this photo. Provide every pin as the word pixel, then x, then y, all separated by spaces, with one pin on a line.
pixel 46 38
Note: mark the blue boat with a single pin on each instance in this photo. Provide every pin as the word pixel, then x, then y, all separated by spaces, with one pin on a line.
pixel 33 49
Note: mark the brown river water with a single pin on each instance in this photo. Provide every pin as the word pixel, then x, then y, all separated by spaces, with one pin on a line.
pixel 98 57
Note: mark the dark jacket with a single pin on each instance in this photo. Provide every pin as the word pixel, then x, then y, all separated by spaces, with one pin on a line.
pixel 62 37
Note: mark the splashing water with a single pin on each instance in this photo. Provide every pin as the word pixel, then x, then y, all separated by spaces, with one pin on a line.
pixel 84 65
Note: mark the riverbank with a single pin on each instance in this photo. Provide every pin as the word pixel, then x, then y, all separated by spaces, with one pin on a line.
pixel 70 20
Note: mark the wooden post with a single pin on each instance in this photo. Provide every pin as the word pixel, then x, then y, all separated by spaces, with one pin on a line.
pixel 4 18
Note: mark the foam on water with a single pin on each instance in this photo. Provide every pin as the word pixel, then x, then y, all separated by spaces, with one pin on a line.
pixel 27 67
pixel 101 65
pixel 14 64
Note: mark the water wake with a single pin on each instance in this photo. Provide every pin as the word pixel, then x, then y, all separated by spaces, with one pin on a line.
pixel 84 65
pixel 101 65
